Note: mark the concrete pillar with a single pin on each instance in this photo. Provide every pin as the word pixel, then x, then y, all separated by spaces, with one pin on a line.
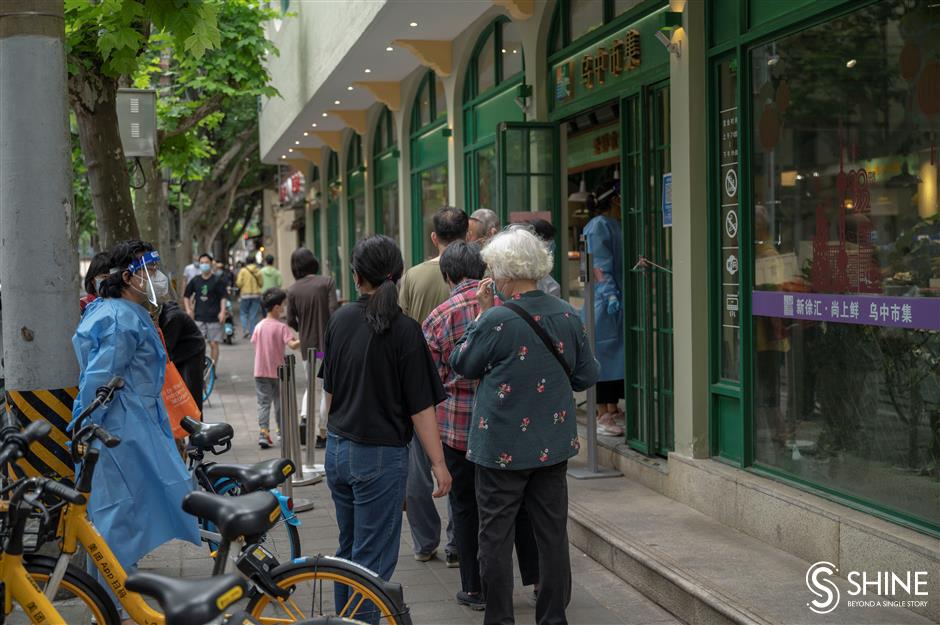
pixel 38 259
pixel 688 85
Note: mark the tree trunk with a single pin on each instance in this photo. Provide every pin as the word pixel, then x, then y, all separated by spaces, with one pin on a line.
pixel 150 201
pixel 94 102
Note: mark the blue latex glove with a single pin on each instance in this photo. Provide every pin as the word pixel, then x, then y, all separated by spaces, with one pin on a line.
pixel 613 305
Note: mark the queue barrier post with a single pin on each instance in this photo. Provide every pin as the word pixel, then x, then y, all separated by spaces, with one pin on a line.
pixel 592 470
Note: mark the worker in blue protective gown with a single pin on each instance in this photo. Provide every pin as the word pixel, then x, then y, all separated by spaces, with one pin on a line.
pixel 139 485
pixel 605 244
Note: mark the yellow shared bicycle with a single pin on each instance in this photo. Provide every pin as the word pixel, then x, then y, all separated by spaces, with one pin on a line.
pixel 292 592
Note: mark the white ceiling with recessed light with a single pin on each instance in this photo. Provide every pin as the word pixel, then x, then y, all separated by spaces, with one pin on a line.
pixel 329 44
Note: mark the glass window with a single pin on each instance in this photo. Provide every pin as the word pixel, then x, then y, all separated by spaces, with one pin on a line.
pixel 387 210
pixel 847 256
pixel 440 100
pixel 622 6
pixel 511 50
pixel 729 300
pixel 424 106
pixel 586 15
pixel 433 185
pixel 486 177
pixel 486 68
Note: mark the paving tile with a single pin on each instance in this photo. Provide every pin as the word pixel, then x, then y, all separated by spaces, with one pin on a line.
pixel 598 597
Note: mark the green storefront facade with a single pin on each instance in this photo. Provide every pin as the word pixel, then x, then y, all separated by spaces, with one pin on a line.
pixel 825 248
pixel 818 201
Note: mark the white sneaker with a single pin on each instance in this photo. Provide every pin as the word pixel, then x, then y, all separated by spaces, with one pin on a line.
pixel 607 427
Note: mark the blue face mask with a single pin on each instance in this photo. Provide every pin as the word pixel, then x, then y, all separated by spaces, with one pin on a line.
pixel 205 267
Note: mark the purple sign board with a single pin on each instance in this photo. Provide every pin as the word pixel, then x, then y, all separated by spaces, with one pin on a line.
pixel 916 313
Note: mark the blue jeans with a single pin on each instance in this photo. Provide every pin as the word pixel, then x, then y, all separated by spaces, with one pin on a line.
pixel 367 483
pixel 249 309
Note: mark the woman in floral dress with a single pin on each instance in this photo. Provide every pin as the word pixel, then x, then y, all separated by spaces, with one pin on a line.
pixel 524 428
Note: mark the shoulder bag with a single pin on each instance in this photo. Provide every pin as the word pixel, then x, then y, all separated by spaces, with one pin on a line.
pixel 541 333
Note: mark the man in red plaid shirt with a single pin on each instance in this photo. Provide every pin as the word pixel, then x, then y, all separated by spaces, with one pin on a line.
pixel 462 268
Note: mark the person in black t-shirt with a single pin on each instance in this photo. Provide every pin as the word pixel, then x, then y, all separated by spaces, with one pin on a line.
pixel 205 302
pixel 381 386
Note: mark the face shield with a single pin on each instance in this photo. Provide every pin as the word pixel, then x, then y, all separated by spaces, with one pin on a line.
pixel 154 284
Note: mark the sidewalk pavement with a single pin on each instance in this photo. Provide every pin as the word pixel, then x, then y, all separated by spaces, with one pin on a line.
pixel 598 598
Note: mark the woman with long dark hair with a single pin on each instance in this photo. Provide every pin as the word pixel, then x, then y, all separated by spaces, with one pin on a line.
pixel 381 387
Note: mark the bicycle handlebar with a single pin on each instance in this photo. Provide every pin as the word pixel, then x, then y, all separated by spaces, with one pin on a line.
pixel 16 443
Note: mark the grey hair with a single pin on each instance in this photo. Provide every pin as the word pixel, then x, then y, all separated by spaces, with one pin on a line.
pixel 517 254
pixel 488 218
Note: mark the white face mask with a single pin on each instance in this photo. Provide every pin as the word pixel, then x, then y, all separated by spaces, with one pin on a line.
pixel 161 284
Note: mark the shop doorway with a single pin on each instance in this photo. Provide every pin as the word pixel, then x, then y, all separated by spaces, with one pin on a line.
pixel 627 140
pixel 646 181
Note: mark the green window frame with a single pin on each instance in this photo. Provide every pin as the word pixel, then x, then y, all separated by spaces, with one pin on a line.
pixel 333 193
pixel 355 198
pixel 559 34
pixel 313 229
pixel 385 155
pixel 735 29
pixel 428 154
pixel 484 110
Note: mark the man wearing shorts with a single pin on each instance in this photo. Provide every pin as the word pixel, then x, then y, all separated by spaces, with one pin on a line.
pixel 205 302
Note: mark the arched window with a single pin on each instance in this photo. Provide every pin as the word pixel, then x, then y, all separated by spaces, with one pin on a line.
pixel 312 230
pixel 429 190
pixel 385 175
pixel 333 193
pixel 574 19
pixel 490 89
pixel 355 197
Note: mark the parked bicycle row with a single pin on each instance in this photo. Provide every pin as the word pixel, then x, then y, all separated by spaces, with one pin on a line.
pixel 242 517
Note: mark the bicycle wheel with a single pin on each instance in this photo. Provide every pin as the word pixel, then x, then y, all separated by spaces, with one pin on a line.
pixel 80 599
pixel 315 579
pixel 283 540
pixel 208 378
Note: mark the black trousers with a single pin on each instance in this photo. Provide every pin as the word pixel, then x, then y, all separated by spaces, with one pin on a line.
pixel 191 370
pixel 463 504
pixel 500 495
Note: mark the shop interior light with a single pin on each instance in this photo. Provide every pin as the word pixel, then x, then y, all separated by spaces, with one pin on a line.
pixel 322 114
pixel 581 195
pixel 306 134
pixel 773 60
pixel 283 155
pixel 349 88
pixel 413 24
pixel 336 102
pixel 504 50
pixel 389 49
pixel 290 149
pixel 851 63
pixel 296 142
pixel 313 125
pixel 367 70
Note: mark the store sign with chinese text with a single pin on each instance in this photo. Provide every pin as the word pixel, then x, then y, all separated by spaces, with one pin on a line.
pixel 587 149
pixel 608 62
pixel 915 313
pixel 599 65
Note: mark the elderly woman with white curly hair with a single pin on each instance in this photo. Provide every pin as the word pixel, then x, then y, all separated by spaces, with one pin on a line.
pixel 529 355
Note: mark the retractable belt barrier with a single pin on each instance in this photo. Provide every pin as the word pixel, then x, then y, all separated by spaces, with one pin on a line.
pixel 290 434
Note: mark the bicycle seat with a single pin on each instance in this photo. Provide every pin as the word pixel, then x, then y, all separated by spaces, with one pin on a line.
pixel 253 477
pixel 189 601
pixel 205 436
pixel 246 515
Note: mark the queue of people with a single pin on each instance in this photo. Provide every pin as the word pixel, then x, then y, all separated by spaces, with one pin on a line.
pixel 455 378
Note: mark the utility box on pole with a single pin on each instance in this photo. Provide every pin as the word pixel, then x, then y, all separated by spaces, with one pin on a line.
pixel 137 118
